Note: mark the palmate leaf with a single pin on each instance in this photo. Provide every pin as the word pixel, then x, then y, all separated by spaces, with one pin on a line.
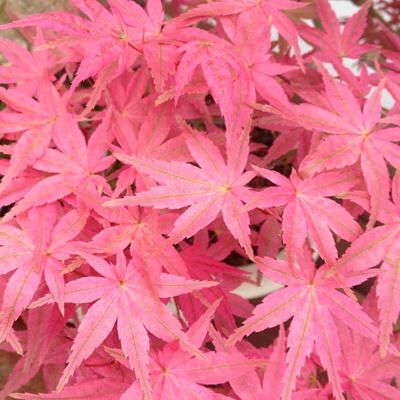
pixel 270 8
pixel 361 138
pixel 308 211
pixel 20 290
pixel 366 372
pixel 95 32
pixel 135 344
pixel 36 252
pixel 142 230
pixel 74 168
pixel 38 121
pixel 208 190
pixel 31 69
pixel 369 250
pixel 224 74
pixel 314 306
pixel 118 291
pixel 335 42
pixel 98 323
pixel 187 376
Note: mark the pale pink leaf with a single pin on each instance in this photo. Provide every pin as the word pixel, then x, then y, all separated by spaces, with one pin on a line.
pixel 300 342
pixel 174 285
pixel 19 291
pixel 219 367
pixel 388 301
pixel 195 218
pixel 96 326
pixel 276 308
pixel 377 178
pixel 328 347
pixel 294 230
pixel 334 152
pixel 238 222
pixel 55 282
pixel 368 250
pixel 135 345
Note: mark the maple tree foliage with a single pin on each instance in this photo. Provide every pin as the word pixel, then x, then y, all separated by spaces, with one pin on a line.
pixel 151 149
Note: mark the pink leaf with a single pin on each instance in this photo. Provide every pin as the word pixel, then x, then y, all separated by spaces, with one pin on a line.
pixel 96 326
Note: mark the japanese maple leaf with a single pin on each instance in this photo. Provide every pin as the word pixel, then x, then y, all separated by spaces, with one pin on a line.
pixel 359 84
pixel 372 247
pixel 314 303
pixel 253 45
pixel 35 123
pixel 186 376
pixel 153 140
pixel 20 187
pixel 35 250
pixel 355 134
pixel 366 375
pixel 225 75
pixel 213 187
pixel 291 137
pixel 335 41
pixel 270 9
pixel 147 31
pixel 308 211
pixel 111 39
pixel 143 230
pixel 75 169
pixel 128 103
pixel 28 69
pixel 201 266
pixel 143 24
pixel 102 35
pixel 175 372
pixel 248 386
pixel 118 291
pixel 129 107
